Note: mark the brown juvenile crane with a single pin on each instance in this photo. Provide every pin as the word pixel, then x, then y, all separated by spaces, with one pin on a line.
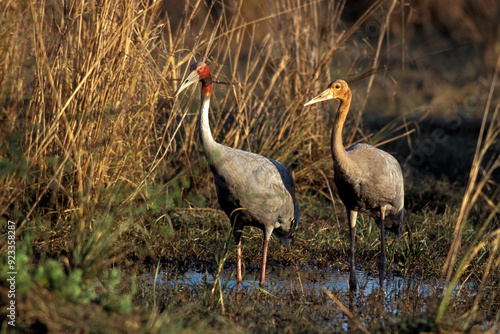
pixel 368 180
pixel 252 190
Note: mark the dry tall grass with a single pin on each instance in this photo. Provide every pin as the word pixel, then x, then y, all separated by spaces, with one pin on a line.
pixel 100 80
pixel 481 177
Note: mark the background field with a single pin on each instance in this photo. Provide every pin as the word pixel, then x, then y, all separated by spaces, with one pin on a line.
pixel 103 175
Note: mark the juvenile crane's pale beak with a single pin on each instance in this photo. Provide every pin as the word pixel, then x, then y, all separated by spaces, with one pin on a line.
pixel 326 95
pixel 191 79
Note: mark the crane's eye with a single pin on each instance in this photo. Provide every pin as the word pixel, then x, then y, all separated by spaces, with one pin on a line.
pixel 337 86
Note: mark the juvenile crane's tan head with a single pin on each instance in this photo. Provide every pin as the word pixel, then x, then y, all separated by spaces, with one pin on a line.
pixel 336 90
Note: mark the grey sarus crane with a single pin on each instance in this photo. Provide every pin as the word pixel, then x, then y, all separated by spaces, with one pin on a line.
pixel 252 190
pixel 368 180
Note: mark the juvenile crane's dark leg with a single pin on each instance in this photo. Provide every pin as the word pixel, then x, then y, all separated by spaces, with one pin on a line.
pixel 352 215
pixel 382 260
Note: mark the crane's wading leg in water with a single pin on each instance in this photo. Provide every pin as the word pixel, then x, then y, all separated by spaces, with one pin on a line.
pixel 382 259
pixel 352 229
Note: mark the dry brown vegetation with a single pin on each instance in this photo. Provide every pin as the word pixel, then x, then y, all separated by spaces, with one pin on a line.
pixel 100 164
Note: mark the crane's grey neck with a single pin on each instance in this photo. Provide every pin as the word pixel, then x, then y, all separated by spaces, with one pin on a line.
pixel 204 132
pixel 339 154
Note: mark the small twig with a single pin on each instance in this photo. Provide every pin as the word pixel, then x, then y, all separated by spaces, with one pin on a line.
pixel 357 120
pixel 386 68
pixel 331 196
pixel 214 81
pixel 226 83
pixel 407 133
pixel 345 310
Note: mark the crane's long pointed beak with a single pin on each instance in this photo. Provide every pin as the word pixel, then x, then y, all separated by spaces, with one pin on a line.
pixel 325 95
pixel 191 79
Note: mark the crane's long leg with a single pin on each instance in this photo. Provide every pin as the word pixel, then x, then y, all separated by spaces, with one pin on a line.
pixel 264 261
pixel 237 238
pixel 268 231
pixel 352 215
pixel 382 260
pixel 239 277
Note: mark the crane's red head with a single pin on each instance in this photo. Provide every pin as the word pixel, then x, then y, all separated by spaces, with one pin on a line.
pixel 336 90
pixel 199 73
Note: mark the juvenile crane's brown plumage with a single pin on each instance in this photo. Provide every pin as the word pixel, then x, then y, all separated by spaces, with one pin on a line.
pixel 252 190
pixel 368 180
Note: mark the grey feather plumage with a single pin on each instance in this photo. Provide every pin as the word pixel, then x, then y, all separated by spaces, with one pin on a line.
pixel 376 180
pixel 255 191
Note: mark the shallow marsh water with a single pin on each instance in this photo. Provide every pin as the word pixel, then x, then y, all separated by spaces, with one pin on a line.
pixel 403 296
pixel 306 278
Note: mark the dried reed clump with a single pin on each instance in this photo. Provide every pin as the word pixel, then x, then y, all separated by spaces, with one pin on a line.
pixel 487 236
pixel 89 128
pixel 101 119
pixel 100 140
pixel 90 116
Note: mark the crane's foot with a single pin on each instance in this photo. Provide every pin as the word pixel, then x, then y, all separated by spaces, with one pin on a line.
pixel 381 269
pixel 353 285
pixel 237 290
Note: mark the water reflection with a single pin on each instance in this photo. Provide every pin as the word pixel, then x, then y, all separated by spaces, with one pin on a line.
pixel 296 285
pixel 308 280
